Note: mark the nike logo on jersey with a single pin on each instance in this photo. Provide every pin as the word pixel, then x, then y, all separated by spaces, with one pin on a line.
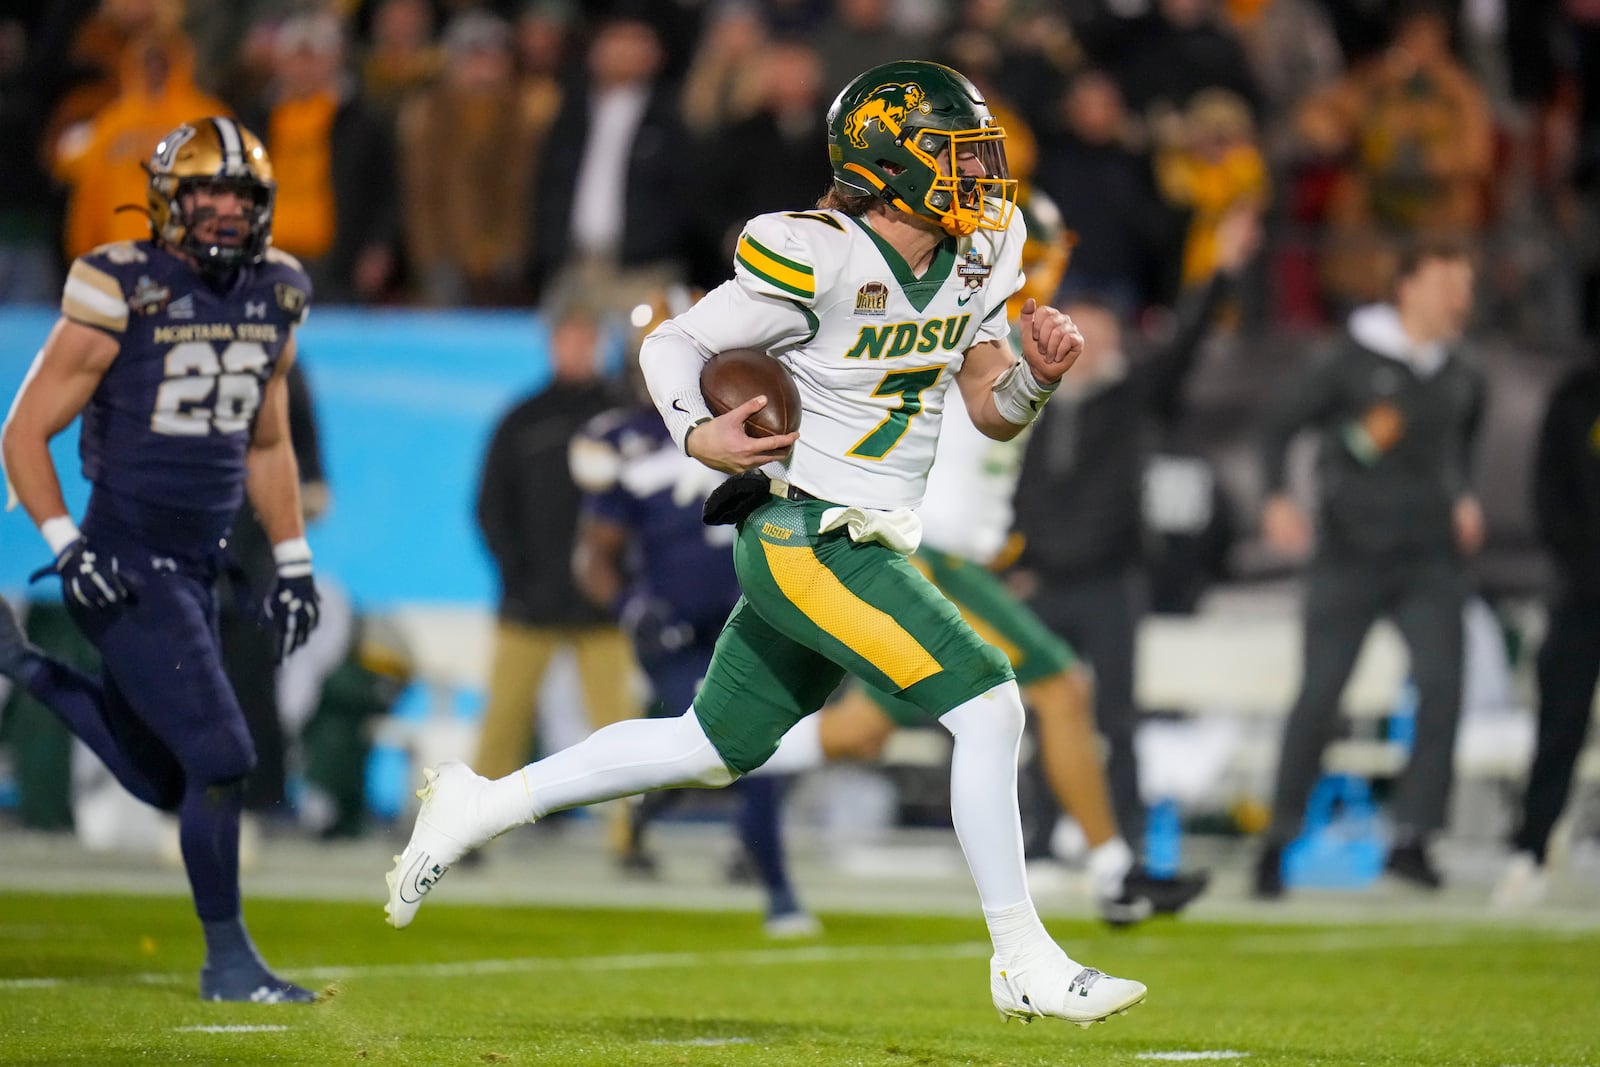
pixel 961 301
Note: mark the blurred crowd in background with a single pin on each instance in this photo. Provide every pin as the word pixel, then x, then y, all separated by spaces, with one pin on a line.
pixel 469 152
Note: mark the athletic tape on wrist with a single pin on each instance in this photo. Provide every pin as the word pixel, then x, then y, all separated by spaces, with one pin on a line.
pixel 1019 397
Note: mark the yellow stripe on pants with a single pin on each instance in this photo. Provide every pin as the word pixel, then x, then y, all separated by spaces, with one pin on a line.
pixel 867 631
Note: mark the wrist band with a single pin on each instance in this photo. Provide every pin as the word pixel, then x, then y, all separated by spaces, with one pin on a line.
pixel 59 532
pixel 684 412
pixel 293 557
pixel 1018 396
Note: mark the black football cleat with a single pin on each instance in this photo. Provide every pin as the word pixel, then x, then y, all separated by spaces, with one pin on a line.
pixel 1411 864
pixel 250 983
pixel 1144 895
pixel 1269 874
pixel 1167 896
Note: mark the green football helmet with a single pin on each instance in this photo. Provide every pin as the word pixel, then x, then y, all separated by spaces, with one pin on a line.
pixel 904 131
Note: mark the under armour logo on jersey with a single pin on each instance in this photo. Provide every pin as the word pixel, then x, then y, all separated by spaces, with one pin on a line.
pixel 255 309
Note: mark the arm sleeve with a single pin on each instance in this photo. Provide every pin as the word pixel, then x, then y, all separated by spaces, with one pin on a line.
pixel 1307 402
pixel 767 305
pixel 730 316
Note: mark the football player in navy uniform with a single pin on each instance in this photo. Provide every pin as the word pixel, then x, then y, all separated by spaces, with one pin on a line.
pixel 643 551
pixel 174 352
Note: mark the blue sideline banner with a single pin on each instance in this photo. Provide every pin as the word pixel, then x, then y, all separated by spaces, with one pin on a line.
pixel 406 401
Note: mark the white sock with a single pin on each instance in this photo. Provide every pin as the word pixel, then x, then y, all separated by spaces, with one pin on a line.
pixel 1109 863
pixel 628 757
pixel 983 794
pixel 505 802
pixel 800 749
pixel 1016 931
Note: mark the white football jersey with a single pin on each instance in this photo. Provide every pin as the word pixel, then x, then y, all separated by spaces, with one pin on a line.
pixel 967 511
pixel 872 348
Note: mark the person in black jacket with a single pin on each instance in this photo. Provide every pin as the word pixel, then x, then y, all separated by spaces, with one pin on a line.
pixel 1107 194
pixel 528 507
pixel 1566 501
pixel 1079 508
pixel 249 652
pixel 1396 409
pixel 784 140
pixel 614 215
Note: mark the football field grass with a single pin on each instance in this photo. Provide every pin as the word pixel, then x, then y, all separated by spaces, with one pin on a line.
pixel 111 980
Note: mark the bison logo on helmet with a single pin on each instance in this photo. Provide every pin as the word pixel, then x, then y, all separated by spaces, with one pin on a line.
pixel 881 104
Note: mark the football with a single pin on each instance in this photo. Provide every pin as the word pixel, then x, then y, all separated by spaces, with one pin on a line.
pixel 730 378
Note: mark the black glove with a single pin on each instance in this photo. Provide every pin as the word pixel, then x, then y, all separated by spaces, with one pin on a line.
pixel 650 625
pixel 88 577
pixel 292 610
pixel 732 502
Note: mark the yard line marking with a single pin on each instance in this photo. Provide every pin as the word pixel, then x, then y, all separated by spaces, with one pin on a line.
pixel 631 962
pixel 1267 944
pixel 648 961
pixel 703 1042
pixel 1218 1054
pixel 235 1029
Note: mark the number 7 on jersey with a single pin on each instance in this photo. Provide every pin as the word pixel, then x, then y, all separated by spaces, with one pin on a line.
pixel 909 386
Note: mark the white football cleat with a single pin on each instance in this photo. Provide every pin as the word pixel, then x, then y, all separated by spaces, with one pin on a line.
pixel 792 926
pixel 1048 983
pixel 449 825
pixel 1524 884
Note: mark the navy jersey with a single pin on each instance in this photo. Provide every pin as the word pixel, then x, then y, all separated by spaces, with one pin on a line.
pixel 634 476
pixel 164 436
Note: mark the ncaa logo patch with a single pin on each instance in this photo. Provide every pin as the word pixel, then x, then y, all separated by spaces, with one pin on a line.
pixel 149 297
pixel 974 271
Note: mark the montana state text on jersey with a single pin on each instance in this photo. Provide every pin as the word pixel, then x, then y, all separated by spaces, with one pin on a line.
pixel 169 425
